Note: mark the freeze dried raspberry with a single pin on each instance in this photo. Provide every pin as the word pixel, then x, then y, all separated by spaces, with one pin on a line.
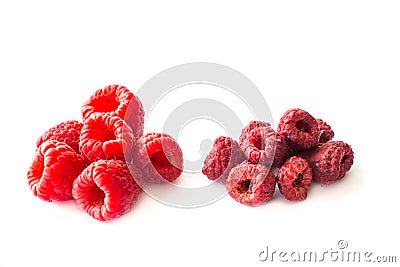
pixel 106 189
pixel 325 131
pixel 282 151
pixel 106 137
pixel 330 161
pixel 117 100
pixel 224 155
pixel 67 132
pixel 294 178
pixel 53 170
pixel 259 145
pixel 251 126
pixel 159 157
pixel 299 128
pixel 251 184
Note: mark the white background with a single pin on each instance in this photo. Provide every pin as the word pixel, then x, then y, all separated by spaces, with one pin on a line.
pixel 340 60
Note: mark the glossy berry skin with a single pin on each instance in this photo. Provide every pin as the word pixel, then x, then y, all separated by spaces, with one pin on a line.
pixel 67 132
pixel 159 157
pixel 251 184
pixel 116 100
pixel 106 189
pixel 106 137
pixel 53 170
pixel 224 155
pixel 294 178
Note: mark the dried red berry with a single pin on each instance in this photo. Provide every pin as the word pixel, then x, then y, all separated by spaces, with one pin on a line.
pixel 53 170
pixel 259 146
pixel 250 127
pixel 106 137
pixel 325 131
pixel 294 178
pixel 67 132
pixel 299 128
pixel 224 155
pixel 330 161
pixel 106 189
pixel 251 184
pixel 282 151
pixel 116 100
pixel 159 157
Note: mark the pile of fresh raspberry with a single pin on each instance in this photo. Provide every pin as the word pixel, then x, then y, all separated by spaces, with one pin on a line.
pixel 298 151
pixel 104 161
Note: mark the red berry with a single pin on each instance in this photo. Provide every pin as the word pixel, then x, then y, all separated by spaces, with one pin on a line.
pixel 53 170
pixel 67 132
pixel 251 184
pixel 116 100
pixel 282 151
pixel 262 144
pixel 294 178
pixel 259 146
pixel 299 128
pixel 325 131
pixel 105 137
pixel 159 157
pixel 250 127
pixel 330 161
pixel 224 155
pixel 106 189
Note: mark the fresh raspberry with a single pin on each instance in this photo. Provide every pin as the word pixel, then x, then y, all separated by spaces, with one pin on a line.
pixel 53 170
pixel 224 155
pixel 67 132
pixel 325 131
pixel 105 137
pixel 330 161
pixel 159 157
pixel 250 127
pixel 294 178
pixel 106 189
pixel 259 146
pixel 116 100
pixel 299 128
pixel 251 184
pixel 282 151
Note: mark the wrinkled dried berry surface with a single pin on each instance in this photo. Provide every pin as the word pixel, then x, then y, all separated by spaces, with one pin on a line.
pixel 325 131
pixel 159 157
pixel 106 189
pixel 224 155
pixel 53 170
pixel 250 127
pixel 259 146
pixel 67 132
pixel 282 151
pixel 330 161
pixel 251 184
pixel 299 128
pixel 294 178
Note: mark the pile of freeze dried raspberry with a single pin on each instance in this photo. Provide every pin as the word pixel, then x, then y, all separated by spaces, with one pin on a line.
pixel 104 161
pixel 300 150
